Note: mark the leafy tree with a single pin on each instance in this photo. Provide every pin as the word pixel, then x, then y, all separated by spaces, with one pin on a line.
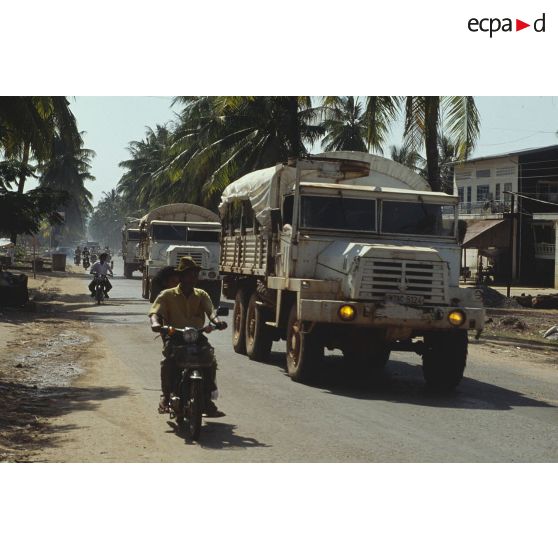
pixel 423 128
pixel 344 125
pixel 108 218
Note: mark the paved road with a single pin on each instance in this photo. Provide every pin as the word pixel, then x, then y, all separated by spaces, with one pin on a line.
pixel 505 410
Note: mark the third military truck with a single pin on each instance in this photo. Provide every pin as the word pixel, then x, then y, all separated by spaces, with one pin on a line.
pixel 176 230
pixel 346 251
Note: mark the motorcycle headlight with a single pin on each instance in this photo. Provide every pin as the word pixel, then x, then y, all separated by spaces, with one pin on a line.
pixel 190 335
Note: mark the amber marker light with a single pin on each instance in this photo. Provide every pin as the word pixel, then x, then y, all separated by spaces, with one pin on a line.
pixel 456 317
pixel 347 313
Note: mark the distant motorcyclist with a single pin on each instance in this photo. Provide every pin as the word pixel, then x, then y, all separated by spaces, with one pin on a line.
pixel 185 306
pixel 101 267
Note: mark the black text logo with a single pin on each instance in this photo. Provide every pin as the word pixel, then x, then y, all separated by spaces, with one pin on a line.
pixel 493 25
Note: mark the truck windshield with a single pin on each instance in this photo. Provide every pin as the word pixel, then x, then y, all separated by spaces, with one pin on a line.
pixel 203 236
pixel 321 212
pixel 418 218
pixel 170 233
pixel 133 235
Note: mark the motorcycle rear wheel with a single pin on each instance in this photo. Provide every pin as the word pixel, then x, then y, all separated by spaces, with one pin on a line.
pixel 195 409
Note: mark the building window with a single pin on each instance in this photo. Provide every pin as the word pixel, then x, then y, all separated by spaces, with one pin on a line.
pixel 469 189
pixel 497 192
pixel 483 173
pixel 460 194
pixel 482 192
pixel 463 175
pixel 505 171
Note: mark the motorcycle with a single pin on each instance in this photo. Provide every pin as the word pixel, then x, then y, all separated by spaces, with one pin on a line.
pixel 93 258
pixel 77 259
pixel 99 286
pixel 86 263
pixel 187 405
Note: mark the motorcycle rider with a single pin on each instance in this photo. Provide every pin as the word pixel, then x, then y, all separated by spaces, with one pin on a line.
pixel 185 306
pixel 101 267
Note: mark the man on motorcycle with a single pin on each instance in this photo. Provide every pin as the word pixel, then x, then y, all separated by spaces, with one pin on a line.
pixel 185 306
pixel 101 267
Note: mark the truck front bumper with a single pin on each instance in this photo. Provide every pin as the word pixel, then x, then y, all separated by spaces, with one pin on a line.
pixel 390 315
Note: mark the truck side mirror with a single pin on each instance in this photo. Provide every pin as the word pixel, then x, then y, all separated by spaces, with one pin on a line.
pixel 276 221
pixel 221 311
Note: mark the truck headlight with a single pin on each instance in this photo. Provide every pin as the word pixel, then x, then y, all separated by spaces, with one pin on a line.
pixel 456 317
pixel 347 313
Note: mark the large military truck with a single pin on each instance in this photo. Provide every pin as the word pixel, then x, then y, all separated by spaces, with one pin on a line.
pixel 176 230
pixel 130 248
pixel 347 251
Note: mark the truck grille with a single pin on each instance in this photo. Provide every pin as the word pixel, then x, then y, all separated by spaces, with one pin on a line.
pixel 381 277
pixel 196 256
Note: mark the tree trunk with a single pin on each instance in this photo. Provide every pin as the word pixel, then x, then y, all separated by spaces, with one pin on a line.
pixel 431 115
pixel 25 161
pixel 295 142
pixel 21 181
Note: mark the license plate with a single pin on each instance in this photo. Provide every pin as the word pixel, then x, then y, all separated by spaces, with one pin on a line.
pixel 405 299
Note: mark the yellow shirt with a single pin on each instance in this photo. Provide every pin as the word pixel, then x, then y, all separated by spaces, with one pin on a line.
pixel 179 310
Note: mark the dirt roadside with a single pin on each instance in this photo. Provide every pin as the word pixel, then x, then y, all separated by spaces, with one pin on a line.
pixel 43 349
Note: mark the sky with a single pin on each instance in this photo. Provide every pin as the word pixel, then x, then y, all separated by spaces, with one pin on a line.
pixel 110 123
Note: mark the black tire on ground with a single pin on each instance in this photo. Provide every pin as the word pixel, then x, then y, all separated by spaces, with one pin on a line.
pixel 367 362
pixel 99 294
pixel 259 336
pixel 305 351
pixel 145 287
pixel 155 288
pixel 195 409
pixel 213 289
pixel 239 323
pixel 128 270
pixel 444 359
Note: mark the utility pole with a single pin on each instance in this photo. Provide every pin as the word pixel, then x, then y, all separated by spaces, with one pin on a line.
pixel 511 243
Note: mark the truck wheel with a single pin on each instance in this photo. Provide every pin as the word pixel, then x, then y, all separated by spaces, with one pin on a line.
pixel 239 323
pixel 145 288
pixel 128 271
pixel 258 335
pixel 444 359
pixel 304 351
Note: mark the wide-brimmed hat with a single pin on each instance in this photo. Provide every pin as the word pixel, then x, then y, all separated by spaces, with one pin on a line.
pixel 186 263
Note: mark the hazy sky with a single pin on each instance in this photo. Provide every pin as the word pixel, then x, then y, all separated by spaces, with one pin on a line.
pixel 110 123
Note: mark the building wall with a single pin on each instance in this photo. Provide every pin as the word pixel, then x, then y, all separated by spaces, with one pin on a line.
pixel 467 175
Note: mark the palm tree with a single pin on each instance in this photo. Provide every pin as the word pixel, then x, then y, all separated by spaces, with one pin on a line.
pixel 344 125
pixel 423 128
pixel 107 219
pixel 143 185
pixel 219 139
pixel 407 157
pixel 372 124
pixel 67 170
pixel 28 126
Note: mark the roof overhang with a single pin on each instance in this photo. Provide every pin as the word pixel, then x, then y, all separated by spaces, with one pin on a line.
pixel 487 233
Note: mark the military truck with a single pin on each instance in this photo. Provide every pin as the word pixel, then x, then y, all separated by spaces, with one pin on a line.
pixel 346 251
pixel 130 245
pixel 176 230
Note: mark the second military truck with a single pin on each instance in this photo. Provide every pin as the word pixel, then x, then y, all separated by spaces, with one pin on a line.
pixel 176 230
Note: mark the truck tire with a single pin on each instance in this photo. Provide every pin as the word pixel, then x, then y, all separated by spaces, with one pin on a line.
pixel 239 323
pixel 259 336
pixel 128 270
pixel 213 289
pixel 444 359
pixel 145 287
pixel 304 351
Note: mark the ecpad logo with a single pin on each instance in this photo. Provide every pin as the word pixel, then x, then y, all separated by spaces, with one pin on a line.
pixel 494 24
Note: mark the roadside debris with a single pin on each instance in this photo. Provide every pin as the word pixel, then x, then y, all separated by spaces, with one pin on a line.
pixel 13 289
pixel 551 333
pixel 513 322
pixel 491 298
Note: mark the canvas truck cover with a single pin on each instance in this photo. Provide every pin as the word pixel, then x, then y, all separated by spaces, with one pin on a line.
pixel 264 188
pixel 179 212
